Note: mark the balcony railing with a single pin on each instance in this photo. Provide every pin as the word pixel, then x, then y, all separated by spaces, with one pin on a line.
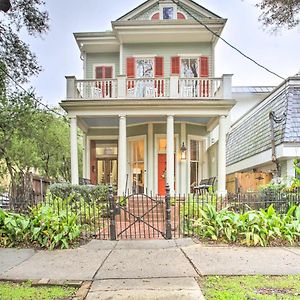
pixel 133 88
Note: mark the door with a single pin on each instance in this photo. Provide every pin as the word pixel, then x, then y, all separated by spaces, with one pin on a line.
pixel 107 171
pixel 162 173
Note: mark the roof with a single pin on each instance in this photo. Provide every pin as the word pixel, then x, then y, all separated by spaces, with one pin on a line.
pixel 252 89
pixel 251 135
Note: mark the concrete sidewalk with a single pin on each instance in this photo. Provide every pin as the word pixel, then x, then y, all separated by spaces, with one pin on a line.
pixel 145 269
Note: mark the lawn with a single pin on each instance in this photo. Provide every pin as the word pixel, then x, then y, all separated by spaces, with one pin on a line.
pixel 251 287
pixel 24 291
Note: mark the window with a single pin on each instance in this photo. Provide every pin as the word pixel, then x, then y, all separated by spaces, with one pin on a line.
pixel 168 13
pixel 189 67
pixel 194 162
pixel 144 67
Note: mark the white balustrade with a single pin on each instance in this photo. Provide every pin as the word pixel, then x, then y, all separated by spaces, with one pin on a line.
pixel 147 87
pixel 96 89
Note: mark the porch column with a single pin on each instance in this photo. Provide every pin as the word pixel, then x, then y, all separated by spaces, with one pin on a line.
pixel 183 163
pixel 84 156
pixel 150 157
pixel 74 151
pixel 122 156
pixel 170 153
pixel 222 157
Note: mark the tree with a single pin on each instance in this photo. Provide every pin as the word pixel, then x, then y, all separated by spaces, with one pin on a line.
pixel 16 55
pixel 278 14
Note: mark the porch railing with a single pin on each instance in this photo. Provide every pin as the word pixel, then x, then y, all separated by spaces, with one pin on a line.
pixel 96 89
pixel 127 88
pixel 147 87
pixel 199 87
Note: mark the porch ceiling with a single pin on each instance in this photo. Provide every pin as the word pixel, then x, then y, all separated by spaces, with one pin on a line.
pixel 113 121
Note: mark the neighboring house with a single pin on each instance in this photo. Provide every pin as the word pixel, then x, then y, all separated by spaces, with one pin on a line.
pixel 148 92
pixel 249 143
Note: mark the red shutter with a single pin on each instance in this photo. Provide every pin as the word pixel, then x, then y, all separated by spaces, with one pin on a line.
pixel 180 16
pixel 99 72
pixel 130 67
pixel 175 65
pixel 155 16
pixel 108 72
pixel 204 66
pixel 159 66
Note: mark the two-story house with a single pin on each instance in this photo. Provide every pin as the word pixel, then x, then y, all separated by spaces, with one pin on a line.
pixel 149 98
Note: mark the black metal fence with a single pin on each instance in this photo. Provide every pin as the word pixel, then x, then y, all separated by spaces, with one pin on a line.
pixel 153 217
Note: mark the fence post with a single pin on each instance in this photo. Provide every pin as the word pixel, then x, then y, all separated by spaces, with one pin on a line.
pixel 168 214
pixel 112 214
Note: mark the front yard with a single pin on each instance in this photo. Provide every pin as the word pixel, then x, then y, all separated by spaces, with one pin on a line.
pixel 251 287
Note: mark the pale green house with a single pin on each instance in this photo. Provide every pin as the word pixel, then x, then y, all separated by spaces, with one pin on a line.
pixel 149 98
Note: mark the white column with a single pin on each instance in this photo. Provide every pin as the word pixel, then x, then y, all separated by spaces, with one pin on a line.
pixel 150 156
pixel 84 156
pixel 74 150
pixel 88 158
pixel 122 156
pixel 121 60
pixel 222 157
pixel 170 153
pixel 183 164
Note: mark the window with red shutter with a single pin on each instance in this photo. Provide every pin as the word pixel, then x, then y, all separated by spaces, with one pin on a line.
pixel 159 66
pixel 175 65
pixel 130 66
pixel 204 66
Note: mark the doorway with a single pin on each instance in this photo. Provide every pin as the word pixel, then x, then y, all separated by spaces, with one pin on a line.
pixel 107 171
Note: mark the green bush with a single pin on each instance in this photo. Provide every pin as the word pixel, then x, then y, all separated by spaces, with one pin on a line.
pixel 251 228
pixel 89 193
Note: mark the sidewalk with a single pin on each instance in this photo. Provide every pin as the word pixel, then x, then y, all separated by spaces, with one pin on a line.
pixel 145 269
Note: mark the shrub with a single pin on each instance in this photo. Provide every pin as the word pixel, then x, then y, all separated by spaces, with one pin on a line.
pixel 251 228
pixel 89 193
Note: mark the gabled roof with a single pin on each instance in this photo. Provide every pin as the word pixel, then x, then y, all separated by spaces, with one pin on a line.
pixel 190 5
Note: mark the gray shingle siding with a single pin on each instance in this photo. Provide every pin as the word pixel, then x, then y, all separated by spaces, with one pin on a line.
pixel 253 134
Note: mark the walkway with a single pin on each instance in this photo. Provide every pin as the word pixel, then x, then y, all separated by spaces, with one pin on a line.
pixel 145 269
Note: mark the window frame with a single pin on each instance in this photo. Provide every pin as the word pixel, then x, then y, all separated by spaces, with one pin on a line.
pixel 112 65
pixel 166 5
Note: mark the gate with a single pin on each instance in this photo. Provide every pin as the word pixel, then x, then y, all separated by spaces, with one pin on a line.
pixel 140 216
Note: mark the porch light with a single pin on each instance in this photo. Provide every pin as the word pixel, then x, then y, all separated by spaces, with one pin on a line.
pixel 183 150
pixel 5 5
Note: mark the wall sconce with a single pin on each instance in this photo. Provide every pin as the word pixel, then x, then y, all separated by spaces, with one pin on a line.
pixel 183 150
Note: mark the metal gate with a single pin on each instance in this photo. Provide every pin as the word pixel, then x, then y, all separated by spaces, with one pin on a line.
pixel 140 217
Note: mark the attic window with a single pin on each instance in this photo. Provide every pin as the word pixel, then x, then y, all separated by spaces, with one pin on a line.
pixel 168 13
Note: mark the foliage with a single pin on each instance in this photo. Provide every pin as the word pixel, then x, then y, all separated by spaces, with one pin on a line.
pixel 45 226
pixel 51 228
pixel 279 13
pixel 250 287
pixel 20 62
pixel 87 192
pixel 251 228
pixel 24 291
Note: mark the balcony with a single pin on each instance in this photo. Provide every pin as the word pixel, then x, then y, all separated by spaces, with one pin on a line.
pixel 149 88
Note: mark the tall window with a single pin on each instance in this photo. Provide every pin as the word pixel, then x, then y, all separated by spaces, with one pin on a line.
pixel 137 165
pixel 145 67
pixel 189 67
pixel 194 162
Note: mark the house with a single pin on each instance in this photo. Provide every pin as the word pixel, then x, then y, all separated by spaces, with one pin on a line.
pixel 277 119
pixel 149 99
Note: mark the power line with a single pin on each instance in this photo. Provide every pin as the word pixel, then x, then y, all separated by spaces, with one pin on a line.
pixel 30 94
pixel 229 44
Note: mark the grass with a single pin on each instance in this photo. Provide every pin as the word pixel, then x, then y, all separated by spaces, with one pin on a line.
pixel 24 291
pixel 251 287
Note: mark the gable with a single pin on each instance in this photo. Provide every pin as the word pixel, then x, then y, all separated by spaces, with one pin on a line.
pixel 146 10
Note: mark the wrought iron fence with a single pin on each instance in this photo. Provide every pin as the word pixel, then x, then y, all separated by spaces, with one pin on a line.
pixel 152 217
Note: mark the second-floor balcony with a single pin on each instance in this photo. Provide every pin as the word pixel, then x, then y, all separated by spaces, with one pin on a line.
pixel 147 88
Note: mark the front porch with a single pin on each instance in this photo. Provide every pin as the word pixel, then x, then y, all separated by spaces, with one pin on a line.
pixel 139 148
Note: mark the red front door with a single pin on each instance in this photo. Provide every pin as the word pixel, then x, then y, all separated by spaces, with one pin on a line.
pixel 162 164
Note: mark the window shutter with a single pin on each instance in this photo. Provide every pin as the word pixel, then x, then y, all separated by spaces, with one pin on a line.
pixel 180 16
pixel 108 72
pixel 159 66
pixel 175 65
pixel 155 16
pixel 130 67
pixel 204 66
pixel 99 72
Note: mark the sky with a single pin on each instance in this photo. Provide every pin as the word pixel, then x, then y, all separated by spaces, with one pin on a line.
pixel 59 55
